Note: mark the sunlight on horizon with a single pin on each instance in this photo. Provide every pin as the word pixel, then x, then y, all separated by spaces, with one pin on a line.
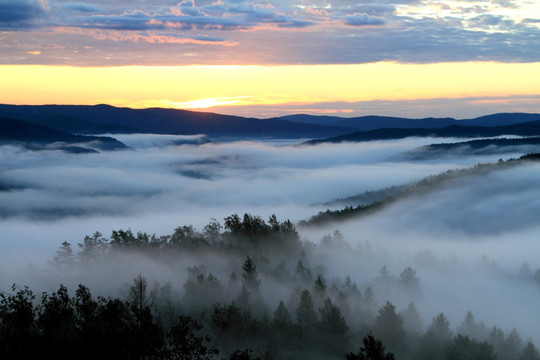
pixel 206 87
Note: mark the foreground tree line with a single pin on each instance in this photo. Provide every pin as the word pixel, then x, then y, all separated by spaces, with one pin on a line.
pixel 235 318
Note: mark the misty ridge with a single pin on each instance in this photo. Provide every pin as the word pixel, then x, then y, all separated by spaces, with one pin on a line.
pixel 170 248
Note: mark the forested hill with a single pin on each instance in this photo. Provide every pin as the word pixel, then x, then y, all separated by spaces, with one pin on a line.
pixel 386 197
pixel 372 122
pixel 40 137
pixel 521 129
pixel 479 146
pixel 102 119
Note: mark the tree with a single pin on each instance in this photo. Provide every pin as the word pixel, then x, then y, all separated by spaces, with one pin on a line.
pixel 513 345
pixel 303 272
pixel 463 348
pixel 408 281
pixel 435 340
pixel 249 276
pixel 411 320
pixel 93 248
pixel 529 352
pixel 185 237
pixel 306 317
pixel 350 289
pixel 441 327
pixel 18 330
pixel 201 290
pixel 284 331
pixel 282 317
pixel 319 289
pixel 373 349
pixel 138 294
pixel 64 256
pixel 212 231
pixel 389 328
pixel 185 344
pixel 332 321
pixel 231 322
pixel 56 319
pixel 384 277
pixel 246 354
pixel 148 335
pixel 471 328
pixel 86 313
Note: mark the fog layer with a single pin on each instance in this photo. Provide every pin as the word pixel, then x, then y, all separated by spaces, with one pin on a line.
pixel 467 240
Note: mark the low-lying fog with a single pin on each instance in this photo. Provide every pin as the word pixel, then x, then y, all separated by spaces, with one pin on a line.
pixel 450 236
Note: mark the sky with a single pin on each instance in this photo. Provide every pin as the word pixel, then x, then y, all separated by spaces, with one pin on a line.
pixel 413 58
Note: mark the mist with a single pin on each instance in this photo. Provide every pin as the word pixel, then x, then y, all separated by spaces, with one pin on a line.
pixel 468 240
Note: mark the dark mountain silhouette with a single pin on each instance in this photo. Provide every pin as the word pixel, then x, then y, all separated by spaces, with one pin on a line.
pixel 39 137
pixel 360 205
pixel 481 146
pixel 372 122
pixel 101 119
pixel 521 129
pixel 502 119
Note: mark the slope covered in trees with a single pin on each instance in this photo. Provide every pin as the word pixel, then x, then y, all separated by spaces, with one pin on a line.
pixel 388 196
pixel 41 137
pixel 458 131
pixel 240 315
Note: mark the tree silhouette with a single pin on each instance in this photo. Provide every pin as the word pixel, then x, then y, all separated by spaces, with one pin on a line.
pixel 93 248
pixel 246 354
pixel 18 330
pixel 389 328
pixel 529 352
pixel 463 348
pixel 332 321
pixel 249 275
pixel 437 337
pixel 64 257
pixel 306 317
pixel 185 344
pixel 373 349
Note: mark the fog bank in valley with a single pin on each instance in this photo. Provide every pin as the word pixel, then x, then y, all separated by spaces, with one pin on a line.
pixel 473 241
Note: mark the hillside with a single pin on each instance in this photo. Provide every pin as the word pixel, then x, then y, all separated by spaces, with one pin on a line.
pixel 477 147
pixel 102 119
pixel 520 129
pixel 372 122
pixel 41 137
pixel 357 206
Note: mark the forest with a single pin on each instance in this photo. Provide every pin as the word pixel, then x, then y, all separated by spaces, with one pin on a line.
pixel 243 315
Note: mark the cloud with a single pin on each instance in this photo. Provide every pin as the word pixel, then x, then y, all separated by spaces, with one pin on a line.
pixel 363 20
pixel 20 14
pixel 82 7
pixel 305 32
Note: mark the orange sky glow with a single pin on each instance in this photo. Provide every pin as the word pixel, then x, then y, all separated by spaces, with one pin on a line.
pixel 219 87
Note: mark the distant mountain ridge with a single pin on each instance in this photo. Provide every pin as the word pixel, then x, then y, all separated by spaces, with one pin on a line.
pixel 372 122
pixel 520 129
pixel 41 137
pixel 102 119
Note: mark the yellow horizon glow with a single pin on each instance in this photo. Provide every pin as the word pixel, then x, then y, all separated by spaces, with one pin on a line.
pixel 204 87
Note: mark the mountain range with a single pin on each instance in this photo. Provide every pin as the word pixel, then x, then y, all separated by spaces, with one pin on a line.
pixel 105 119
pixel 372 122
pixel 40 137
pixel 457 131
